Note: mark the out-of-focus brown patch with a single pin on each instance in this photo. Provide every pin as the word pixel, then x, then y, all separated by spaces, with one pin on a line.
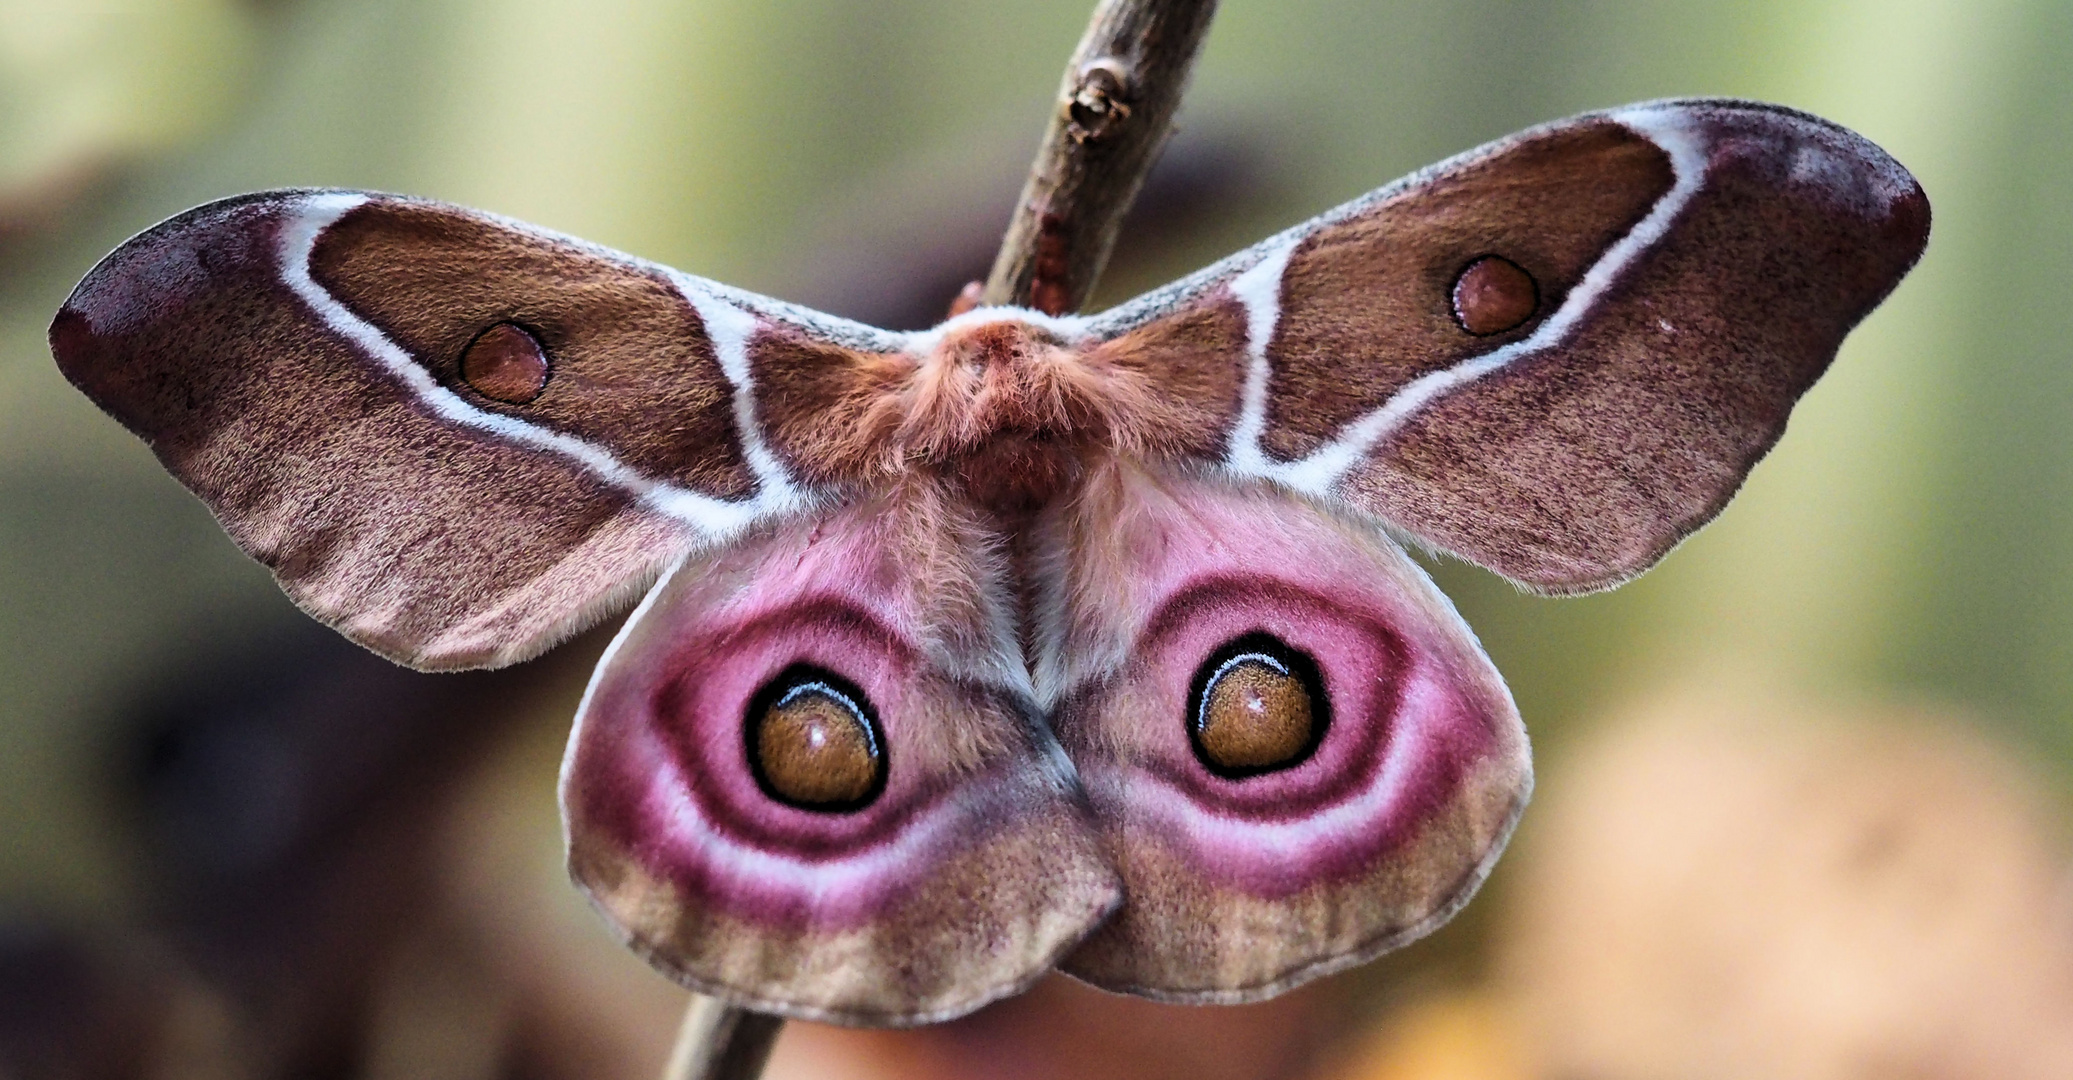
pixel 570 1000
pixel 1725 887
pixel 42 203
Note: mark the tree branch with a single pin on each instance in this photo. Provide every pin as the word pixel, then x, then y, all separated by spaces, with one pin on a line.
pixel 1115 111
pixel 721 1042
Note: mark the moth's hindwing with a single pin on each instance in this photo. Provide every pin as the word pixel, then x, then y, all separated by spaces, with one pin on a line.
pixel 810 777
pixel 1298 754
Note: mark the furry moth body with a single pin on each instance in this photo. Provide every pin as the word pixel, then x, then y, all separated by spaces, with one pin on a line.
pixel 1025 641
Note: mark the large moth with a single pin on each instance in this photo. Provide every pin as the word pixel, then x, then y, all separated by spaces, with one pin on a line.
pixel 1027 641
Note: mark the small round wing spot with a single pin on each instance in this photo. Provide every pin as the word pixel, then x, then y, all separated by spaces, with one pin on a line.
pixel 1494 294
pixel 506 363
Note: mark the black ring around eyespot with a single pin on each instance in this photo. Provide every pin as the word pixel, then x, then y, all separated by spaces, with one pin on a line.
pixel 806 678
pixel 1279 655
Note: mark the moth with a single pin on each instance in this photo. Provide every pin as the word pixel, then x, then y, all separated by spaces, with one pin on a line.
pixel 1028 641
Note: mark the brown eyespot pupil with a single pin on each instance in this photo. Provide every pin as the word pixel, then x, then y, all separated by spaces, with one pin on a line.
pixel 506 363
pixel 813 744
pixel 1493 294
pixel 1258 707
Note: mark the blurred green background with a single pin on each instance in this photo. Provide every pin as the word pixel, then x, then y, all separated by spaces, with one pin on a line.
pixel 1910 539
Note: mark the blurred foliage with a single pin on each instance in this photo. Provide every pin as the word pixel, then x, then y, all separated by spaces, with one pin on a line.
pixel 83 84
pixel 1912 534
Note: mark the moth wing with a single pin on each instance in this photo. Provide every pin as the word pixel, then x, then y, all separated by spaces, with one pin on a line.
pixel 451 436
pixel 966 875
pixel 1667 280
pixel 1298 755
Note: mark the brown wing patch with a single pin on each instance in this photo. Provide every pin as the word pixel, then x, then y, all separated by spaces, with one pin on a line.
pixel 1579 465
pixel 434 544
pixel 988 924
pixel 633 368
pixel 1195 358
pixel 1367 303
pixel 823 408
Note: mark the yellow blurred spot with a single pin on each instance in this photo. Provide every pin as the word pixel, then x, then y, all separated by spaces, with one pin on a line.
pixel 86 83
pixel 1467 1035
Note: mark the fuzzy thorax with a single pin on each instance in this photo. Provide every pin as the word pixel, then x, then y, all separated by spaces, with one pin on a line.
pixel 1003 409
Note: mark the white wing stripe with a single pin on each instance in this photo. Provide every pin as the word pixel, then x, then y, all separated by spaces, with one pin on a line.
pixel 730 329
pixel 717 519
pixel 1323 468
pixel 1259 289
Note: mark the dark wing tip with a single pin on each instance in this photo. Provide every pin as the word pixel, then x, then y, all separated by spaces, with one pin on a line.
pixel 150 278
pixel 1907 223
pixel 1815 161
pixel 73 342
pixel 1838 200
pixel 159 266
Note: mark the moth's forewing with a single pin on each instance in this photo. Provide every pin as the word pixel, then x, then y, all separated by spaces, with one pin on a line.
pixel 1557 355
pixel 453 437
